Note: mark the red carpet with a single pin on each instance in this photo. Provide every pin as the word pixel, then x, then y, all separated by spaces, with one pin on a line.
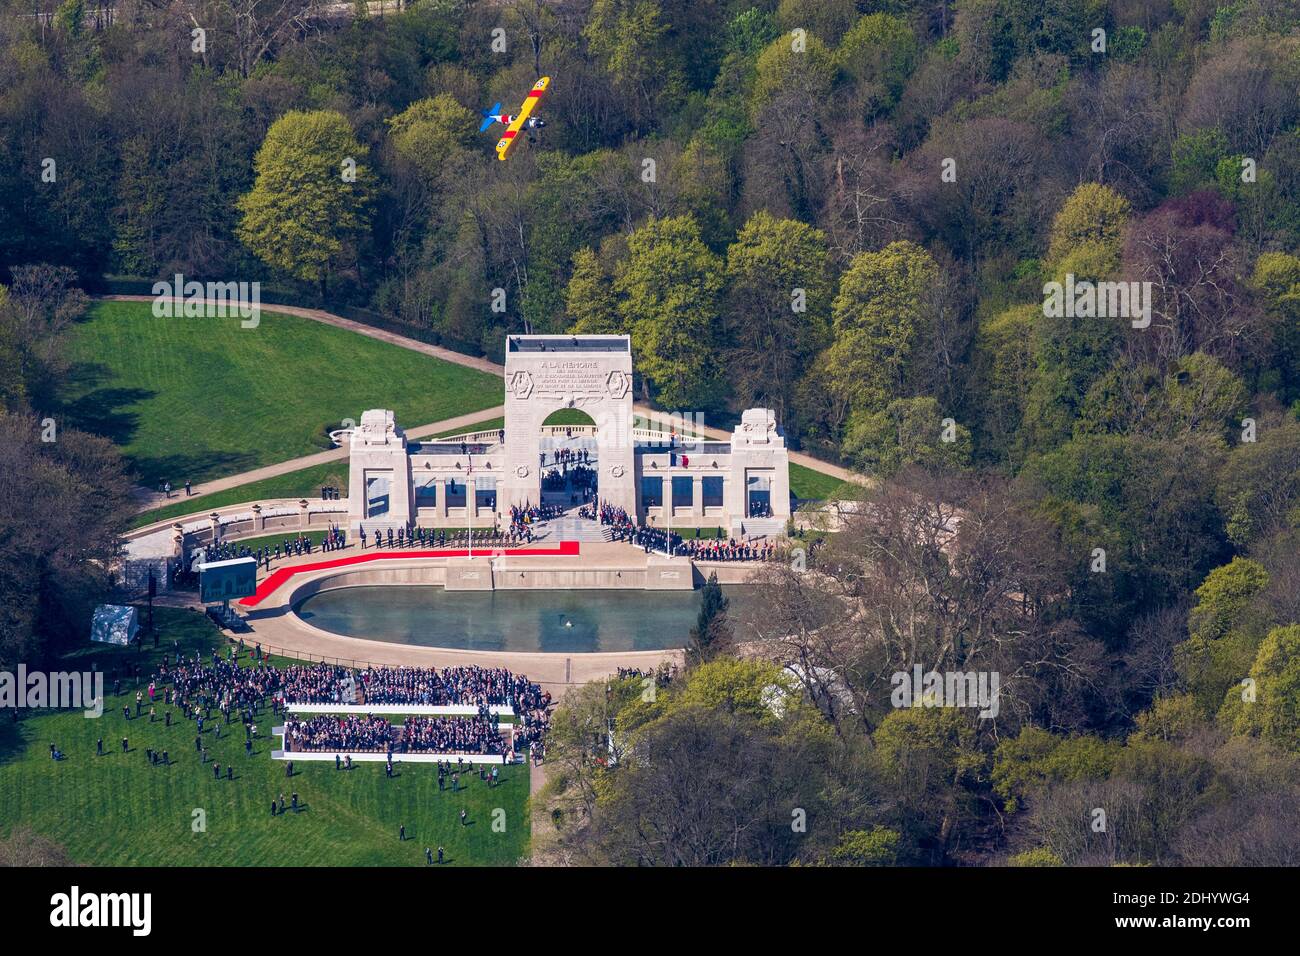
pixel 277 578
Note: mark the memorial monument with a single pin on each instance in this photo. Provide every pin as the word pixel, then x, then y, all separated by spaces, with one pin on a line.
pixel 664 477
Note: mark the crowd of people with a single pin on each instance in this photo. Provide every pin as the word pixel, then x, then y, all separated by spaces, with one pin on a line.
pixel 472 685
pixel 623 528
pixel 608 515
pixel 715 549
pixel 574 456
pixel 580 478
pixel 416 537
pixel 480 734
pixel 225 681
pixel 325 733
pixel 198 687
pixel 523 518
pixel 335 732
pixel 335 539
pixel 662 675
pixel 318 684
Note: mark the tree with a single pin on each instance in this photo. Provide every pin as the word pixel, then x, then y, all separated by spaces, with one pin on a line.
pixel 907 432
pixel 305 207
pixel 70 18
pixel 1004 189
pixel 827 20
pixel 1246 90
pixel 931 762
pixel 1148 504
pixel 1070 354
pixel 1092 218
pixel 628 39
pixel 142 195
pixel 1276 280
pixel 1039 857
pixel 865 198
pixel 951 572
pixel 707 773
pixel 879 53
pixel 1003 365
pixel 1259 487
pixel 879 322
pixel 1273 712
pixel 259 27
pixel 875 847
pixel 1153 790
pixel 1222 639
pixel 777 309
pixel 785 68
pixel 1198 397
pixel 711 634
pixel 25 847
pixel 1027 764
pixel 63 508
pixel 1185 249
pixel 36 313
pixel 788 101
pixel 669 289
pixel 428 131
pixel 592 306
pixel 1195 156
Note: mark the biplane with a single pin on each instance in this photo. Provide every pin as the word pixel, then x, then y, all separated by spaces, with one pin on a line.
pixel 517 121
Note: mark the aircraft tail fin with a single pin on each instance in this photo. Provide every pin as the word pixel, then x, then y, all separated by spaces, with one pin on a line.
pixel 488 117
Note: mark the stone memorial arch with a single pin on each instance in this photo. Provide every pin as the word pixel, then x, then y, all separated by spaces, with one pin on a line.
pixel 546 373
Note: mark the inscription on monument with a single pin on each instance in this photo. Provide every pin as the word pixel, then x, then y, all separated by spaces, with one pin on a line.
pixel 569 378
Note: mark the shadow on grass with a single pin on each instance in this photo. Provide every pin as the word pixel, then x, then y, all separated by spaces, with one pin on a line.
pixel 12 740
pixel 202 467
pixel 87 403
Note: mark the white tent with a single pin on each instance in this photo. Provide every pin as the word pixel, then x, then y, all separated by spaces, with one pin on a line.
pixel 114 624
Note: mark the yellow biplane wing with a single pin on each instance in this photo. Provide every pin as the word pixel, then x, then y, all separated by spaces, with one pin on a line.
pixel 508 137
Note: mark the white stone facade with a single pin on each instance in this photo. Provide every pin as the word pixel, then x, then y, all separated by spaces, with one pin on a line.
pixel 741 485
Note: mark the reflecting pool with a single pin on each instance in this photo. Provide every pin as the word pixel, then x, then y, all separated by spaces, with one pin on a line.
pixel 561 622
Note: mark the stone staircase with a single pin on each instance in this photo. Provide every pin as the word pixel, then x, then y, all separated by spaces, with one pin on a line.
pixel 573 528
pixel 758 527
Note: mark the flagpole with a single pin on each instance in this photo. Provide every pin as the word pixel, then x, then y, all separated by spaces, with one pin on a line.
pixel 668 512
pixel 471 501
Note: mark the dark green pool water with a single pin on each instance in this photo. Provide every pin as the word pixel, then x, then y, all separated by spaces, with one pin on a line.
pixel 562 622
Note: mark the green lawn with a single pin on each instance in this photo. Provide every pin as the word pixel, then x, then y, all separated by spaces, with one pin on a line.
pixel 491 424
pixel 808 484
pixel 119 810
pixel 686 533
pixel 198 399
pixel 304 483
pixel 288 534
pixel 568 416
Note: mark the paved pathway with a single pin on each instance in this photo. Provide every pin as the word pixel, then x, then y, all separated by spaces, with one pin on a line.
pixel 447 355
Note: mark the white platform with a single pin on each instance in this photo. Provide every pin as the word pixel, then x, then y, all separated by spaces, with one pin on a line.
pixel 428 710
pixel 489 759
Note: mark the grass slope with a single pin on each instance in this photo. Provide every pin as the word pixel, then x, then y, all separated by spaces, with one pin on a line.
pixel 200 398
pixel 119 810
pixel 806 484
